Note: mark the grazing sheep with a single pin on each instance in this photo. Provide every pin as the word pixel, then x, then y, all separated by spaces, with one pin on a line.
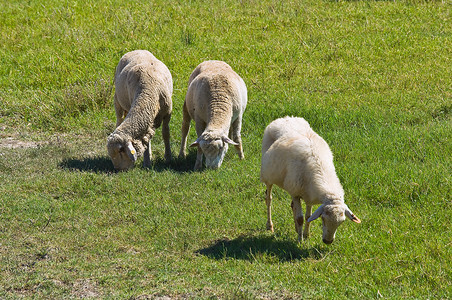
pixel 215 100
pixel 298 160
pixel 142 102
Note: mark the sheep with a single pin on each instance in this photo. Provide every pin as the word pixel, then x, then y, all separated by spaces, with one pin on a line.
pixel 143 90
pixel 216 99
pixel 299 161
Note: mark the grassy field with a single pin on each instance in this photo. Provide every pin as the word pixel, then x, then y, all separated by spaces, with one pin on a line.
pixel 374 79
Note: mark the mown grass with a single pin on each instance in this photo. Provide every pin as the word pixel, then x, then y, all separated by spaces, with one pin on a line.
pixel 373 78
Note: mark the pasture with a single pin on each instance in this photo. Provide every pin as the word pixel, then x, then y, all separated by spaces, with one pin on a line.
pixel 373 78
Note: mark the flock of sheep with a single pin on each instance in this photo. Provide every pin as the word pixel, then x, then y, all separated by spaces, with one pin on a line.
pixel 294 157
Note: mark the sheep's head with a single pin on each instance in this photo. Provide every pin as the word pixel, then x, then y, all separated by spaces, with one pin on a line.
pixel 333 214
pixel 213 148
pixel 122 153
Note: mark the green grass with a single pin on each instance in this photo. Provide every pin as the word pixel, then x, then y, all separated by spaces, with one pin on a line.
pixel 372 78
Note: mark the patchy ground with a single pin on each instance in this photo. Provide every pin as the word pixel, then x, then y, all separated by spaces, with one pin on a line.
pixel 11 139
pixel 13 143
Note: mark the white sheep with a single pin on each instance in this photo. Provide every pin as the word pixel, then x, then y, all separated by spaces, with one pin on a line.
pixel 299 161
pixel 143 90
pixel 216 99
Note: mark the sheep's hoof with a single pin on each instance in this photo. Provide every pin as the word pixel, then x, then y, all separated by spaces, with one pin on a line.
pixel 270 227
pixel 146 163
pixel 198 166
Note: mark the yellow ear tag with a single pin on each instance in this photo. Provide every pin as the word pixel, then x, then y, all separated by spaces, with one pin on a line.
pixel 133 151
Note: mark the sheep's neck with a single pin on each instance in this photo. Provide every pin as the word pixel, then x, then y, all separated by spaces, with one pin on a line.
pixel 220 114
pixel 326 182
pixel 139 122
pixel 332 199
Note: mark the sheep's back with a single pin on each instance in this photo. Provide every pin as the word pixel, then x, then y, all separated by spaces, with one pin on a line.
pixel 138 70
pixel 286 163
pixel 284 127
pixel 210 66
pixel 215 93
pixel 301 164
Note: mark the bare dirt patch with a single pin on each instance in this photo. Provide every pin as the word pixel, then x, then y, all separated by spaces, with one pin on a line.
pixel 13 143
pixel 85 288
pixel 11 139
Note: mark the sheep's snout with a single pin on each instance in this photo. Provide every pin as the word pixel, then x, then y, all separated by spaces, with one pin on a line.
pixel 122 156
pixel 215 161
pixel 122 162
pixel 329 233
pixel 214 151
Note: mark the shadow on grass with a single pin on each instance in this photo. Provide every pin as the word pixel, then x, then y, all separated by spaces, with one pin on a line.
pixel 103 164
pixel 255 247
pixel 92 164
pixel 179 165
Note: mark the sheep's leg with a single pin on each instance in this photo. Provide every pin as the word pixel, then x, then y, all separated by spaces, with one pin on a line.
pixel 268 201
pixel 120 112
pixel 200 126
pixel 147 156
pixel 198 163
pixel 297 216
pixel 307 224
pixel 166 137
pixel 236 137
pixel 185 128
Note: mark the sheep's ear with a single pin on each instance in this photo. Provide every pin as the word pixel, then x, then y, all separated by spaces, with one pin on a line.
pixel 351 216
pixel 131 152
pixel 228 140
pixel 316 214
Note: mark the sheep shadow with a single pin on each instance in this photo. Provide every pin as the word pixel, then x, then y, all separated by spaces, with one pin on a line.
pixel 99 164
pixel 103 164
pixel 251 247
pixel 179 165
